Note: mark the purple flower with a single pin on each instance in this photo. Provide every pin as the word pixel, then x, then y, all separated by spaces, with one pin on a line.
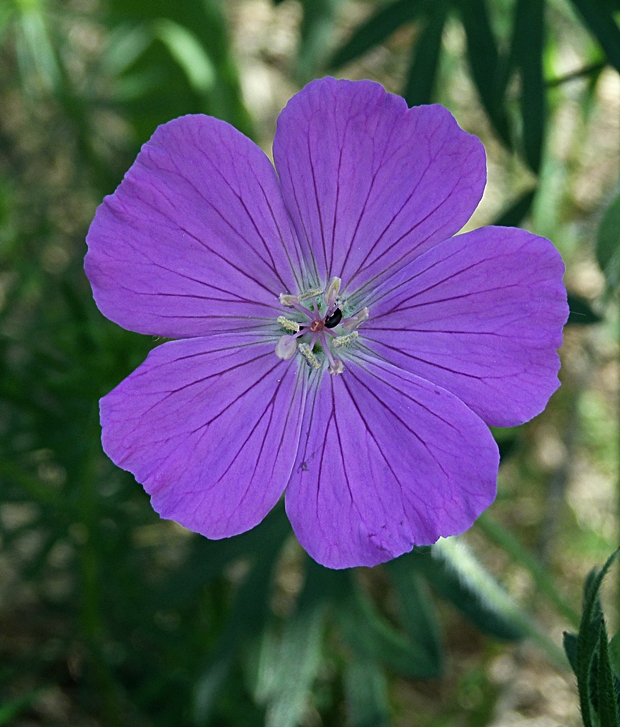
pixel 335 343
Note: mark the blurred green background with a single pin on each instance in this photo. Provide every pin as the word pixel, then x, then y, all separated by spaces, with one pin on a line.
pixel 110 616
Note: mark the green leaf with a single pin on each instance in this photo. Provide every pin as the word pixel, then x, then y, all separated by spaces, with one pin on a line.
pixel 289 664
pixel 608 244
pixel 569 641
pixel 188 53
pixel 36 53
pixel 614 652
pixel 607 697
pixel 518 210
pixel 417 611
pixel 422 74
pixel 376 29
pixel 248 617
pixel 581 313
pixel 483 60
pixel 589 637
pixel 599 19
pixel 510 544
pixel 316 32
pixel 366 694
pixel 528 46
pixel 372 637
pixel 458 577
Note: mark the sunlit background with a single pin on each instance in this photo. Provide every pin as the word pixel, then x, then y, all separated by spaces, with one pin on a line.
pixel 110 616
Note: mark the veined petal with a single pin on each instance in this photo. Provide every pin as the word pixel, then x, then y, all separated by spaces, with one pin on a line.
pixel 481 315
pixel 386 461
pixel 369 183
pixel 196 238
pixel 210 427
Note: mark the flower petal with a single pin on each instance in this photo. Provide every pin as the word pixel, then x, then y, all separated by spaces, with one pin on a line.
pixel 369 183
pixel 196 238
pixel 481 315
pixel 210 427
pixel 387 461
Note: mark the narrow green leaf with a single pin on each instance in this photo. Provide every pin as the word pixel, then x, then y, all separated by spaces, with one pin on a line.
pixel 614 652
pixel 528 44
pixel 599 19
pixel 483 60
pixel 458 576
pixel 36 53
pixel 569 641
pixel 376 29
pixel 422 74
pixel 249 614
pixel 607 697
pixel 289 665
pixel 544 583
pixel 187 51
pixel 589 637
pixel 581 313
pixel 518 210
pixel 366 694
pixel 316 32
pixel 608 244
pixel 372 637
pixel 124 45
pixel 417 611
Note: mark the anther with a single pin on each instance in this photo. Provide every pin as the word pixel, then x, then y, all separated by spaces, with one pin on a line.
pixel 306 352
pixel 312 293
pixel 288 300
pixel 288 325
pixel 331 294
pixel 341 341
pixel 354 321
pixel 286 347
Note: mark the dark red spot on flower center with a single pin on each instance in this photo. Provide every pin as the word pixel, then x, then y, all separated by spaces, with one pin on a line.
pixel 316 326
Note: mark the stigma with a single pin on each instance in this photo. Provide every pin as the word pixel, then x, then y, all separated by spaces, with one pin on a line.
pixel 318 327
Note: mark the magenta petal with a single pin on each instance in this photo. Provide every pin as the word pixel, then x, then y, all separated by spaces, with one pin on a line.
pixel 210 427
pixel 386 461
pixel 369 183
pixel 481 315
pixel 196 238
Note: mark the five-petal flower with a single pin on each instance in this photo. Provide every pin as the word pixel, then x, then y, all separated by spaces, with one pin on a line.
pixel 335 340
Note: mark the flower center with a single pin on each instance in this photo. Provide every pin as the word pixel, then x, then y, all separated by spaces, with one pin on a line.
pixel 318 328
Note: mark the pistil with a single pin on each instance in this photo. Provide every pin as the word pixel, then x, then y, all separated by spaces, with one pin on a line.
pixel 325 330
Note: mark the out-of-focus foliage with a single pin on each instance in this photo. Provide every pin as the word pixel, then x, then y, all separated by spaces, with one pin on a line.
pixel 109 616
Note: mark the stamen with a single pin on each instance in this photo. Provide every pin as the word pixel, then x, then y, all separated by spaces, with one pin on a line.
pixel 286 347
pixel 354 321
pixel 288 300
pixel 341 341
pixel 288 325
pixel 337 367
pixel 331 294
pixel 312 293
pixel 306 352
